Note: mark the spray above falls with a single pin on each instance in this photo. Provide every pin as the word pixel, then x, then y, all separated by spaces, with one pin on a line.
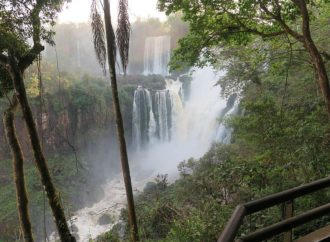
pixel 180 121
pixel 169 125
pixel 172 118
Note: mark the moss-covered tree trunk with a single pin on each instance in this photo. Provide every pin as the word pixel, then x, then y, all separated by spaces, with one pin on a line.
pixel 53 196
pixel 314 53
pixel 17 155
pixel 119 122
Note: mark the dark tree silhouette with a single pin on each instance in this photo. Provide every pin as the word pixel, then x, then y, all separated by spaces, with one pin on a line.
pixel 21 194
pixel 20 21
pixel 123 34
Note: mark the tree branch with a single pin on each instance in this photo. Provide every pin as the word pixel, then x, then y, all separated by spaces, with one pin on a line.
pixel 264 35
pixel 253 31
pixel 278 18
pixel 305 17
pixel 27 59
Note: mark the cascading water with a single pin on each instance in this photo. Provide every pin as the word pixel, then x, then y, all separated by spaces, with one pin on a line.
pixel 143 117
pixel 153 115
pixel 194 122
pixel 163 114
pixel 223 134
pixel 157 55
pixel 167 129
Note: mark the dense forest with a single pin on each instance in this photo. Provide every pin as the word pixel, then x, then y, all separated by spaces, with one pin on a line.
pixel 58 143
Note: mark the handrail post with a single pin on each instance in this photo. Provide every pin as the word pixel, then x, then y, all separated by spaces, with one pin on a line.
pixel 288 213
pixel 229 232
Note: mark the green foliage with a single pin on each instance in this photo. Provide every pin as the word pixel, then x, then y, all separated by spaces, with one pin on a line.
pixel 279 141
pixel 108 237
pixel 111 236
pixel 65 177
pixel 214 24
pixel 20 21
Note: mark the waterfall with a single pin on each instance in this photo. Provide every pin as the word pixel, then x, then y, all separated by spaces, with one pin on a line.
pixel 187 127
pixel 174 89
pixel 167 129
pixel 223 134
pixel 143 118
pixel 163 114
pixel 152 122
pixel 157 55
pixel 154 116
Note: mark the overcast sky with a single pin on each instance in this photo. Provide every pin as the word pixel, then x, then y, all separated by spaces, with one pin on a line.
pixel 78 10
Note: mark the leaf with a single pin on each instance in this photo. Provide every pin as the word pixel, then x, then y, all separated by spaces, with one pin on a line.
pixel 98 36
pixel 123 33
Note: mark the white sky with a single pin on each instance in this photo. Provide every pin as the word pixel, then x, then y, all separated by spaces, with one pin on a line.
pixel 78 10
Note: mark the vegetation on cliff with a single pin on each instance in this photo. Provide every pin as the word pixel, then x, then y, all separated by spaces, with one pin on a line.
pixel 280 139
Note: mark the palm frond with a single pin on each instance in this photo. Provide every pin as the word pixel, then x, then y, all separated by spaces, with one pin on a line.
pixel 98 36
pixel 123 33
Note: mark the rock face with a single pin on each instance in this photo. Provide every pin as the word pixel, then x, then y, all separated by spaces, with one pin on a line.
pixel 105 219
pixel 79 115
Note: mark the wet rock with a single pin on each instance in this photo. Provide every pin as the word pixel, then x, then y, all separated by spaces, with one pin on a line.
pixel 105 219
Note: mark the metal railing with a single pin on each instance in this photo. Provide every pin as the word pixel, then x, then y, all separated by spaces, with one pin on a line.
pixel 230 231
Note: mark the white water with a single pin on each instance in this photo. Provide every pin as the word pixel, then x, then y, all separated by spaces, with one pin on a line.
pixel 157 55
pixel 223 133
pixel 194 128
pixel 194 124
pixel 166 131
pixel 163 113
pixel 153 120
pixel 143 123
pixel 86 220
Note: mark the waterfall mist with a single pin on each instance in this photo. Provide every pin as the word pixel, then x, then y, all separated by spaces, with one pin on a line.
pixel 168 126
pixel 192 127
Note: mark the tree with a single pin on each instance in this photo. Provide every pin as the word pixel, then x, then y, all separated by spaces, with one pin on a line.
pixel 214 22
pixel 123 34
pixel 21 194
pixel 20 21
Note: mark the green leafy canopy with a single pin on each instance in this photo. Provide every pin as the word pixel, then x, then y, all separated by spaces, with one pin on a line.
pixel 19 19
pixel 217 22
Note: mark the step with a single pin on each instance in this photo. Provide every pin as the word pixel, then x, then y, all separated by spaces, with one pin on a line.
pixel 320 235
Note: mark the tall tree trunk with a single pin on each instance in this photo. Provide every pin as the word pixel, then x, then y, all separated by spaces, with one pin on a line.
pixel 21 194
pixel 323 79
pixel 52 194
pixel 119 122
pixel 314 53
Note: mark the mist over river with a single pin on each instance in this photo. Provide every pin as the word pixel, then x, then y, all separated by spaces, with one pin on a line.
pixel 169 126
